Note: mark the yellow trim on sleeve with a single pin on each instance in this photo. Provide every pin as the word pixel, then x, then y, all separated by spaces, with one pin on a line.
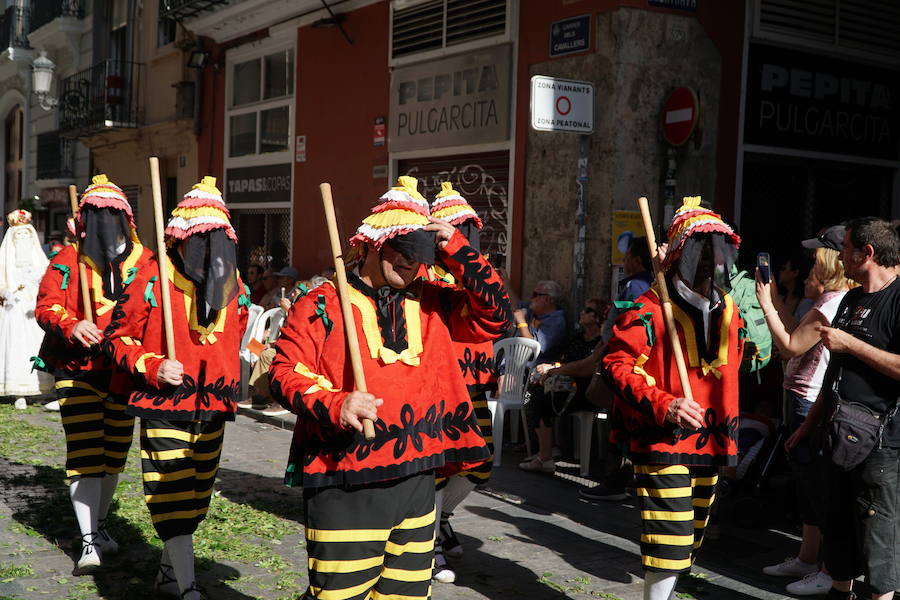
pixel 140 363
pixel 321 382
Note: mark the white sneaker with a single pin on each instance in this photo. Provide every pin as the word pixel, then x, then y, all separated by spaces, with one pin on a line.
pixel 442 573
pixel 814 584
pixel 52 406
pixel 90 556
pixel 791 567
pixel 20 404
pixel 537 465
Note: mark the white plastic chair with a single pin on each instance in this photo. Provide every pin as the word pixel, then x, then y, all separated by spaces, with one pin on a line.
pixel 270 321
pixel 518 355
pixel 247 357
pixel 587 421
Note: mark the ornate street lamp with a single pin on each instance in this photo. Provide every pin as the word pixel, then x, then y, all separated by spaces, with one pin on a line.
pixel 41 79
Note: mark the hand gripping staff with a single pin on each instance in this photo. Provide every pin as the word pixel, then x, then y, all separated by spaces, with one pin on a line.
pixel 344 296
pixel 82 270
pixel 162 258
pixel 668 316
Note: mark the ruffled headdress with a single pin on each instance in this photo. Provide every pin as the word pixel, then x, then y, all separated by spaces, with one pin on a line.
pixel 201 210
pixel 400 211
pixel 105 223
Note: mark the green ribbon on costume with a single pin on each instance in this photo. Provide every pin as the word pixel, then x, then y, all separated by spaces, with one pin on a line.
pixel 64 269
pixel 148 292
pixel 647 320
pixel 38 363
pixel 743 334
pixel 322 314
pixel 301 287
pixel 132 271
pixel 53 254
pixel 628 305
pixel 244 299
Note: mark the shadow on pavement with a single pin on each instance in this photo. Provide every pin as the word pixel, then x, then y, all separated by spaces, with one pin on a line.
pixel 268 494
pixel 42 504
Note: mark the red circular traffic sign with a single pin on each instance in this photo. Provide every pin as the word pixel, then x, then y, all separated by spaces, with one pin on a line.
pixel 679 115
pixel 560 104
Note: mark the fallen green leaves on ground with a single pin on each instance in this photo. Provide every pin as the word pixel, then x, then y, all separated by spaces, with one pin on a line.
pixel 240 543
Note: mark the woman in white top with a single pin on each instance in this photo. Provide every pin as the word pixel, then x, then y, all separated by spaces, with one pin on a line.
pixel 803 375
pixel 22 265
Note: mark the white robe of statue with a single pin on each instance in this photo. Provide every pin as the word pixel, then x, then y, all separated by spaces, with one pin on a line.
pixel 22 265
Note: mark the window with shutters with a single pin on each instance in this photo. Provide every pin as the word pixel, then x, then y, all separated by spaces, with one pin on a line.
pixel 870 27
pixel 436 27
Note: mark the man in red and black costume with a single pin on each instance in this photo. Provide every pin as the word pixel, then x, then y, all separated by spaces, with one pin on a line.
pixel 676 444
pixel 184 404
pixel 369 505
pixel 92 393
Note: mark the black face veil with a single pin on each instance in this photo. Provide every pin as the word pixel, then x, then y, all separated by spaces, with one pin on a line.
pixel 707 256
pixel 105 231
pixel 417 245
pixel 210 262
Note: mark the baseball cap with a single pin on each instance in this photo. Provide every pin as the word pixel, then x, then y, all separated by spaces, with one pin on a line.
pixel 288 272
pixel 832 238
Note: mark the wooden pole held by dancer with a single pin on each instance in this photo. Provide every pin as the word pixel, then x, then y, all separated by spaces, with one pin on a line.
pixel 162 258
pixel 666 302
pixel 82 269
pixel 344 296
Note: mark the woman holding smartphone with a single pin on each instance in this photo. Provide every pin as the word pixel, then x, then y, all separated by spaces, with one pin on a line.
pixel 803 375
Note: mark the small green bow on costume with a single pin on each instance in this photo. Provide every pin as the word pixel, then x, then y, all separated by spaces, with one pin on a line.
pixel 628 305
pixel 38 363
pixel 301 287
pixel 647 320
pixel 132 271
pixel 244 299
pixel 322 314
pixel 148 292
pixel 64 269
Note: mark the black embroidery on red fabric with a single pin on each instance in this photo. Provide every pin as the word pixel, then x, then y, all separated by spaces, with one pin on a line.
pixel 477 363
pixel 226 393
pixel 720 431
pixel 480 279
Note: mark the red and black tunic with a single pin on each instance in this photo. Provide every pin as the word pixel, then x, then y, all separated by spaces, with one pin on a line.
pixel 406 339
pixel 136 341
pixel 641 369
pixel 59 307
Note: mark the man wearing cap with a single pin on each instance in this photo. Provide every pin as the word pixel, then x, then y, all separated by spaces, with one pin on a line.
pixel 862 506
pixel 184 403
pixel 91 392
pixel 369 505
pixel 678 444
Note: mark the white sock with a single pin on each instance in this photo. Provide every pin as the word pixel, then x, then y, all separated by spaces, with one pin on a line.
pixel 438 503
pixel 455 492
pixel 107 491
pixel 85 495
pixel 659 585
pixel 180 550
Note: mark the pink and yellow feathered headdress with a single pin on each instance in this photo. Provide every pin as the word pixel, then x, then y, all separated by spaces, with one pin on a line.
pixel 103 193
pixel 692 219
pixel 401 210
pixel 18 217
pixel 201 210
pixel 451 207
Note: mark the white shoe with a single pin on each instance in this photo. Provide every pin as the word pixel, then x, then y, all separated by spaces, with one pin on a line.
pixel 814 584
pixel 20 404
pixel 791 567
pixel 165 583
pixel 442 573
pixel 537 465
pixel 90 555
pixel 52 406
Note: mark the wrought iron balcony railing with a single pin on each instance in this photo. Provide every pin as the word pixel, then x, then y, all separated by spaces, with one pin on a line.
pixel 105 96
pixel 44 11
pixel 55 156
pixel 184 9
pixel 14 28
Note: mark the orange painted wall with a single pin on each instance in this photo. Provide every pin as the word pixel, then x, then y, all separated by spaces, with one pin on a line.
pixel 341 89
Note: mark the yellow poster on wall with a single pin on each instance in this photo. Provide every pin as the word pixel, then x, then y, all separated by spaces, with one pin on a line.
pixel 626 224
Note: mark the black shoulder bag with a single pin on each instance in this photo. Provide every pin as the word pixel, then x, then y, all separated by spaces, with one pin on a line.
pixel 853 430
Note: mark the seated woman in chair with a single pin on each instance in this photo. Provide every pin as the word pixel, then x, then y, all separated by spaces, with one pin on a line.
pixel 543 410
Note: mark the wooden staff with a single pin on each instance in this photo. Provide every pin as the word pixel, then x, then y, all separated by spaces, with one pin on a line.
pixel 668 316
pixel 161 257
pixel 82 269
pixel 344 296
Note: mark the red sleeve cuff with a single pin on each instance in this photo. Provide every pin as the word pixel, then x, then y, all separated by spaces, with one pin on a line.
pixel 457 241
pixel 153 365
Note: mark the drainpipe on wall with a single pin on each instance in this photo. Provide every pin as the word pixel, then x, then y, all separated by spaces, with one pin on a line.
pixel 581 191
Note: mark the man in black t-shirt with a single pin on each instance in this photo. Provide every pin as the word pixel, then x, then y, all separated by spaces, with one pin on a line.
pixel 863 505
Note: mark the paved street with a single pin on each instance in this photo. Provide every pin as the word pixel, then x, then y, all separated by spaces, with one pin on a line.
pixel 530 538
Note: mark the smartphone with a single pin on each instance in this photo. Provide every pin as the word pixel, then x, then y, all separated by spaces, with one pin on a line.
pixel 762 264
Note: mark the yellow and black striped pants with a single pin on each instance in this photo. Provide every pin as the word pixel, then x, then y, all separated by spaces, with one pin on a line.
pixel 674 502
pixel 374 541
pixel 482 473
pixel 98 432
pixel 180 460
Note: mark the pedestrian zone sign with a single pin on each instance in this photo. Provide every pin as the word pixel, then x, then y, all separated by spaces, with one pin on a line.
pixel 562 105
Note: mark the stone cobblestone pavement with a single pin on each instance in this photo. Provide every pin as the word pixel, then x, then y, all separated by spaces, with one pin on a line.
pixel 530 538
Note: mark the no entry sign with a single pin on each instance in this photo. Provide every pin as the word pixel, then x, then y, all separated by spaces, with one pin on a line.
pixel 679 116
